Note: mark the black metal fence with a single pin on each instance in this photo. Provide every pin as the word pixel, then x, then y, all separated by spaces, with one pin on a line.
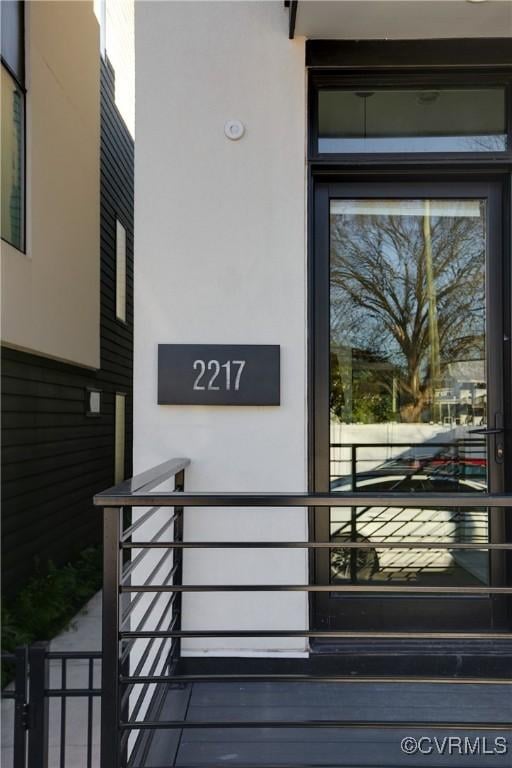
pixel 147 616
pixel 55 712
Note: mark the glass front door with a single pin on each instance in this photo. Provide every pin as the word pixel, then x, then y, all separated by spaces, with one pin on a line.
pixel 414 399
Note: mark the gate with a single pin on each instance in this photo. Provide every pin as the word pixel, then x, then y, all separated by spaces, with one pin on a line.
pixel 51 712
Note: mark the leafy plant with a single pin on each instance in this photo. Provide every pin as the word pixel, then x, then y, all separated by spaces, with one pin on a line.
pixel 48 601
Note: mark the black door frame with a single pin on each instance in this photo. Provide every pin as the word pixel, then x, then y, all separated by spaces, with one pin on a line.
pixel 371 64
pixel 449 614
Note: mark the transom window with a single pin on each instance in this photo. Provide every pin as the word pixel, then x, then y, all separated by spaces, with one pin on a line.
pixel 361 118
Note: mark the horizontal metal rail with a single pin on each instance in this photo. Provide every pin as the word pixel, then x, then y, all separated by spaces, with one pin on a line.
pixel 316 545
pixel 117 498
pixel 341 724
pixel 316 678
pixel 74 655
pixel 79 693
pixel 392 588
pixel 327 633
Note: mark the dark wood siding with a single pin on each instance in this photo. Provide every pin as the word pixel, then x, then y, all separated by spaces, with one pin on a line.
pixel 116 172
pixel 54 457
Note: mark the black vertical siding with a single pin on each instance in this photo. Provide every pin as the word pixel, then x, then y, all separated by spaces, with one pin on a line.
pixel 116 172
pixel 54 457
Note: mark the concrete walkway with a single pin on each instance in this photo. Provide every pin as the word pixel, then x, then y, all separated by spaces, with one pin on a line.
pixel 83 634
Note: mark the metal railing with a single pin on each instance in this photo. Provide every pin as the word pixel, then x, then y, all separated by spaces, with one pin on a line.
pixel 134 685
pixel 351 461
pixel 45 686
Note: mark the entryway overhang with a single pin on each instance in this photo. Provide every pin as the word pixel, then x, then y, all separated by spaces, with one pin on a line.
pixel 399 19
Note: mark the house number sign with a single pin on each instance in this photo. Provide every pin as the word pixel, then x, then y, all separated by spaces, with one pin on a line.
pixel 218 374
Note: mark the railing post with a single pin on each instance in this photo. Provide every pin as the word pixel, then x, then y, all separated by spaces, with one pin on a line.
pixel 110 710
pixel 353 515
pixel 179 485
pixel 38 705
pixel 20 707
pixel 353 466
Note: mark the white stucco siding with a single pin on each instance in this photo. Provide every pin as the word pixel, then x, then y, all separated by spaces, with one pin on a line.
pixel 51 293
pixel 221 258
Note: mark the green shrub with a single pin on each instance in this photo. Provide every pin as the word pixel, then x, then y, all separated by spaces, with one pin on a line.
pixel 49 600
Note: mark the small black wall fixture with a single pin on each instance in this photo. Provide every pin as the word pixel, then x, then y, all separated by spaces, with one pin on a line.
pixel 292 5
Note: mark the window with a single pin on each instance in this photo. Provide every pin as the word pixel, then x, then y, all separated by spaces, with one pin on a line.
pixel 13 124
pixel 12 161
pixel 120 272
pixel 120 431
pixel 433 119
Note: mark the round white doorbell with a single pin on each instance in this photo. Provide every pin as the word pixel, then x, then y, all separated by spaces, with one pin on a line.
pixel 234 129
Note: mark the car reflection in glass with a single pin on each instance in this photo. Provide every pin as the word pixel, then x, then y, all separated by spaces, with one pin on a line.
pixel 442 472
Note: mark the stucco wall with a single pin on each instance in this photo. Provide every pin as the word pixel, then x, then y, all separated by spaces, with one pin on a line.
pixel 118 37
pixel 50 295
pixel 220 257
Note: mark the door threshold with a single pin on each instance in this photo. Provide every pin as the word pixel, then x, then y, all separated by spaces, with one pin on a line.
pixel 481 663
pixel 487 658
pixel 442 646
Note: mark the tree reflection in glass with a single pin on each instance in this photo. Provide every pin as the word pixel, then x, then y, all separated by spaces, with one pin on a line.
pixel 407 353
pixel 407 293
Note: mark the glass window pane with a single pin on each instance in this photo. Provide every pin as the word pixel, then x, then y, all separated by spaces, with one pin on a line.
pixel 408 384
pixel 440 120
pixel 120 271
pixel 12 161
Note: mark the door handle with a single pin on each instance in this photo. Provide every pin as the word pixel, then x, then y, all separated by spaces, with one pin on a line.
pixel 498 429
pixel 487 431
